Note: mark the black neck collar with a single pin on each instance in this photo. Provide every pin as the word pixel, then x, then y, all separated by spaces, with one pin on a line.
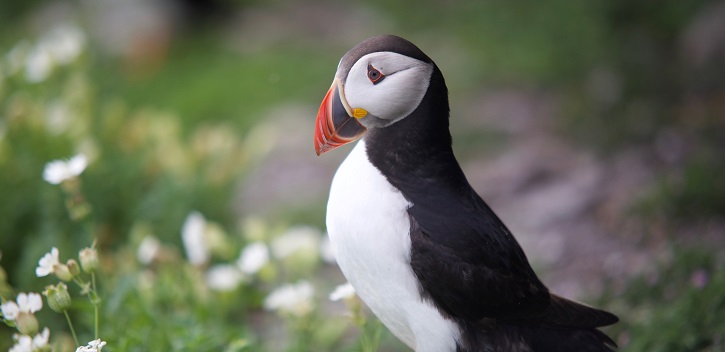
pixel 416 151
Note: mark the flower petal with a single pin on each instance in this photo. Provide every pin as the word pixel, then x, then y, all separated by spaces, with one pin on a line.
pixel 148 249
pixel 58 171
pixel 10 310
pixel 55 172
pixel 77 164
pixel 192 235
pixel 253 257
pixel 342 292
pixel 22 300
pixel 294 299
pixel 47 263
pixel 223 277
pixel 35 302
pixel 41 339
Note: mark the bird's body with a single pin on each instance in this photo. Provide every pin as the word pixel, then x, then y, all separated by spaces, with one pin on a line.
pixel 373 251
pixel 421 248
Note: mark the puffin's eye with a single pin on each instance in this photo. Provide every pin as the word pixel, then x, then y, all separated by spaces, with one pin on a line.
pixel 374 75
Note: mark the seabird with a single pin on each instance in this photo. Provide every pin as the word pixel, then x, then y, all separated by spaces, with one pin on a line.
pixel 421 248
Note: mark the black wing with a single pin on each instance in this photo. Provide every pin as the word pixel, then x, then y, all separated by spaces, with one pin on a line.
pixel 467 261
pixel 471 266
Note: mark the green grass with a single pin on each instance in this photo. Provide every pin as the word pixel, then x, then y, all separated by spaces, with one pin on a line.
pixel 203 80
pixel 678 306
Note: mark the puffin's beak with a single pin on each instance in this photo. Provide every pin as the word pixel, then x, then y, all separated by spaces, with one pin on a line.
pixel 335 124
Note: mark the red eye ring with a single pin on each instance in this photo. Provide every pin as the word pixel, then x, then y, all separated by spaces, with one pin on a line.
pixel 374 75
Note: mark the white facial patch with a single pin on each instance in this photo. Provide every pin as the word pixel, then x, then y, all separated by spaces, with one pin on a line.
pixel 397 94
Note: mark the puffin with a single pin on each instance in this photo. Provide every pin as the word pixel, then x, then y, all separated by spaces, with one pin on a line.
pixel 421 248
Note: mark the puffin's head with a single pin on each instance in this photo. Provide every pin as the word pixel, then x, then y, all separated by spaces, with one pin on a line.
pixel 377 83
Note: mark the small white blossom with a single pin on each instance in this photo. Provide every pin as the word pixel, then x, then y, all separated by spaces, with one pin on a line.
pixel 148 249
pixel 93 346
pixel 223 277
pixel 253 257
pixel 192 235
pixel 304 239
pixel 60 46
pixel 295 299
pixel 58 171
pixel 10 310
pixel 26 303
pixel 47 264
pixel 41 339
pixel 343 291
pixel 38 64
pixel 89 259
pixel 65 43
pixel 23 343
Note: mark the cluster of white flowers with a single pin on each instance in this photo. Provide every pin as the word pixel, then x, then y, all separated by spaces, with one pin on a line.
pixel 57 171
pixel 226 277
pixel 22 313
pixel 93 346
pixel 197 237
pixel 24 343
pixel 298 239
pixel 223 277
pixel 60 46
pixel 294 299
pixel 26 303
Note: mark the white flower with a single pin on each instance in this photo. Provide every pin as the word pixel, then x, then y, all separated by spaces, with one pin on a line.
pixel 47 264
pixel 327 253
pixel 38 64
pixel 93 346
pixel 60 46
pixel 192 235
pixel 23 343
pixel 304 239
pixel 65 43
pixel 10 310
pixel 295 299
pixel 58 171
pixel 223 277
pixel 148 249
pixel 343 291
pixel 27 303
pixel 41 339
pixel 89 259
pixel 253 257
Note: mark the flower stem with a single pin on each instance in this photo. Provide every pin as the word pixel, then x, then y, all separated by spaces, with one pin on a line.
pixel 67 317
pixel 95 302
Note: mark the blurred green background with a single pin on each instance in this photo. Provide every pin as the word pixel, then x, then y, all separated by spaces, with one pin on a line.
pixel 595 129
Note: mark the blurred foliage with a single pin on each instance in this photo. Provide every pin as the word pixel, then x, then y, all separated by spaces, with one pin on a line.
pixel 678 306
pixel 205 81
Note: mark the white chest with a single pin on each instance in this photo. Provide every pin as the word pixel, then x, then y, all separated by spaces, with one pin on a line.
pixel 369 230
